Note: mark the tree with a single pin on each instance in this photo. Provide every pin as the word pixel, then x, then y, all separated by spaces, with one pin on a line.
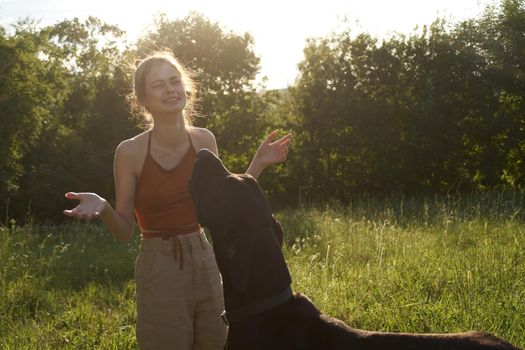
pixel 503 47
pixel 86 116
pixel 433 111
pixel 349 127
pixel 27 101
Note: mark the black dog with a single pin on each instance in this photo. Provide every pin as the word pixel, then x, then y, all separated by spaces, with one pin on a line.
pixel 260 307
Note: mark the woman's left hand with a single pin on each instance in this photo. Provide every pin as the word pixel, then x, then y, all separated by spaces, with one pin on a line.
pixel 272 152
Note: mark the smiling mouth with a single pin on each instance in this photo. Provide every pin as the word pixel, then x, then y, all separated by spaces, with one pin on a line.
pixel 171 100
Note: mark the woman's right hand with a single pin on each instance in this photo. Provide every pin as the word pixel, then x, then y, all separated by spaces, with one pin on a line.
pixel 91 205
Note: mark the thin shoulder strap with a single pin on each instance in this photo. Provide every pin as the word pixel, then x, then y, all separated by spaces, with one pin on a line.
pixel 189 138
pixel 149 141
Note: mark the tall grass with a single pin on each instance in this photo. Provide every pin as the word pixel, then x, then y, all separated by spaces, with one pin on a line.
pixel 440 264
pixel 65 287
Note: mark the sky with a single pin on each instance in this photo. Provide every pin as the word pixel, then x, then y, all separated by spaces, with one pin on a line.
pixel 279 27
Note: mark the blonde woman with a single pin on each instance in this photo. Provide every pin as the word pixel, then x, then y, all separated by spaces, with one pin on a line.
pixel 179 292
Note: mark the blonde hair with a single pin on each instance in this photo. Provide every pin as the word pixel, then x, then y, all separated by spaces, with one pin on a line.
pixel 143 67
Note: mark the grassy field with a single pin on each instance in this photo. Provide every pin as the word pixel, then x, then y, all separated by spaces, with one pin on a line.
pixel 441 264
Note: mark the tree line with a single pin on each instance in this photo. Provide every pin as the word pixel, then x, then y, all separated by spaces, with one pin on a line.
pixel 442 108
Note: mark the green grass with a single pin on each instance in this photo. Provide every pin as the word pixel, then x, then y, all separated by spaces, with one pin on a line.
pixel 67 287
pixel 444 264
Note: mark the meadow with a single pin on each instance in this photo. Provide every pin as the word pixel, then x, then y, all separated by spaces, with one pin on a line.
pixel 429 264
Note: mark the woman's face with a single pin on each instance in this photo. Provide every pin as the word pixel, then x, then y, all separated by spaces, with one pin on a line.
pixel 165 92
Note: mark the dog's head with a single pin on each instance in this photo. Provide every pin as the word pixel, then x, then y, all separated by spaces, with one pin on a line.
pixel 235 210
pixel 206 186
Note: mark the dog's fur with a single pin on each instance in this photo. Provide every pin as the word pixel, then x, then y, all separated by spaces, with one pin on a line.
pixel 246 241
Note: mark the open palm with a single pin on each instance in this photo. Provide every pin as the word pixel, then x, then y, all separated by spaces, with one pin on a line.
pixel 90 206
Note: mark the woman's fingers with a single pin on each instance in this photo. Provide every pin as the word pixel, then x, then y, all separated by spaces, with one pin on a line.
pixel 90 206
pixel 74 212
pixel 282 142
pixel 283 145
pixel 285 139
pixel 81 211
pixel 268 140
pixel 72 195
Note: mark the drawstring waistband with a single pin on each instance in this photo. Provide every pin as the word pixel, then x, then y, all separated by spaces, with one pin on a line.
pixel 176 247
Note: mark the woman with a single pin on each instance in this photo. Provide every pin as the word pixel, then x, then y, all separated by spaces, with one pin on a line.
pixel 179 292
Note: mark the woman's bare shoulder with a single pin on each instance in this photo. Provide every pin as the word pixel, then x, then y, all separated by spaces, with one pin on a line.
pixel 201 133
pixel 202 138
pixel 135 145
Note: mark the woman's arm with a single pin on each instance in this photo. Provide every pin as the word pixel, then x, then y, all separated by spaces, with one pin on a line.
pixel 267 154
pixel 119 221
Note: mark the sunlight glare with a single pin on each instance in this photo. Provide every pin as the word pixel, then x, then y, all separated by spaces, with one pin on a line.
pixel 279 27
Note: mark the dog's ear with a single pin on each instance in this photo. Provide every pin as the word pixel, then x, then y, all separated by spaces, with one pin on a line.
pixel 196 200
pixel 278 230
pixel 242 246
pixel 246 206
pixel 265 207
pixel 201 202
pixel 263 212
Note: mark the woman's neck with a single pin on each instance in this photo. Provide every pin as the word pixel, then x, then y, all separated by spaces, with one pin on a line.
pixel 169 133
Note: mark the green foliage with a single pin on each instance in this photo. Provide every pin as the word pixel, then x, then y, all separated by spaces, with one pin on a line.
pixel 504 46
pixel 426 113
pixel 437 111
pixel 72 118
pixel 25 92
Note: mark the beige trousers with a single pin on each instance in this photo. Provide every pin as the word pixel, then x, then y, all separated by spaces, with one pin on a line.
pixel 179 295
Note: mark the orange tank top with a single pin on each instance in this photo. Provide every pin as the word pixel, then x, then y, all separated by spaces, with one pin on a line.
pixel 162 198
